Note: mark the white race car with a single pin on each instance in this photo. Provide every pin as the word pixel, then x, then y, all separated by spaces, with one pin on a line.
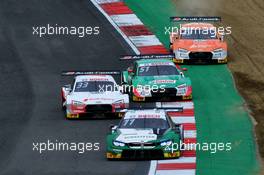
pixel 92 92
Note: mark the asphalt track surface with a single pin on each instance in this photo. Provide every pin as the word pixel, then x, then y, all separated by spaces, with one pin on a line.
pixel 30 90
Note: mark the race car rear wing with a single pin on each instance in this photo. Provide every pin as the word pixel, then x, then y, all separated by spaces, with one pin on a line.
pixel 195 19
pixel 138 57
pixel 95 72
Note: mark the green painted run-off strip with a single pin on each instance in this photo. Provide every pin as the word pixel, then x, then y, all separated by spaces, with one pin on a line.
pixel 219 111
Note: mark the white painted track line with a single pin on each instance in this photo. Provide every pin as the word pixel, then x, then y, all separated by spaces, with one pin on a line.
pixel 133 47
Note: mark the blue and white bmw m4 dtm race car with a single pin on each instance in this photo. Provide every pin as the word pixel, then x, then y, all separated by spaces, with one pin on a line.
pixel 92 93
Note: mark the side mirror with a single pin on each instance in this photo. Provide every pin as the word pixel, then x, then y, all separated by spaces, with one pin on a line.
pixel 178 128
pixel 112 128
pixel 67 87
pixel 181 73
pixel 176 125
pixel 130 70
pixel 174 37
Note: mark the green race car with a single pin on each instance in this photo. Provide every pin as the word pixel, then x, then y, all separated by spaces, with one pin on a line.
pixel 145 134
pixel 156 79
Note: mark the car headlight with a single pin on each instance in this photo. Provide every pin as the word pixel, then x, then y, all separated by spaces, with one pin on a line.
pixel 181 53
pixel 77 103
pixel 182 86
pixel 218 50
pixel 117 143
pixel 119 102
pixel 181 89
pixel 219 53
pixel 182 50
pixel 144 91
pixel 166 143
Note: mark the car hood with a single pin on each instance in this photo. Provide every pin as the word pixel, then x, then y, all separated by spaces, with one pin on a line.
pixel 200 45
pixel 136 135
pixel 97 98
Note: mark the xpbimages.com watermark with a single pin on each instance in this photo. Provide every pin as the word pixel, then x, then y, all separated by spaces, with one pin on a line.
pixel 212 147
pixel 203 31
pixel 80 31
pixel 147 89
pixel 79 147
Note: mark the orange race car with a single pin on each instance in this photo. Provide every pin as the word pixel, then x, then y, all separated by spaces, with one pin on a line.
pixel 198 41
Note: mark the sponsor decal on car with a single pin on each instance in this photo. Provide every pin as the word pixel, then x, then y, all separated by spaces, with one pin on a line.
pixel 163 81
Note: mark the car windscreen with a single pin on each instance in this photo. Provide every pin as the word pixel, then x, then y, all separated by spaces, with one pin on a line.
pixel 94 86
pixel 138 123
pixel 157 70
pixel 198 34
